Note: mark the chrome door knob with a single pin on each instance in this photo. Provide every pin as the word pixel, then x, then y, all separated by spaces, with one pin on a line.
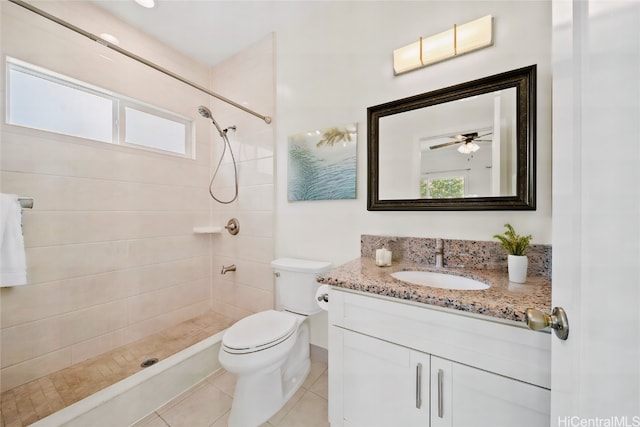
pixel 537 320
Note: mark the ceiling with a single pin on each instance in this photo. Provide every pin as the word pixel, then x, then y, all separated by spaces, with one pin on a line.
pixel 210 31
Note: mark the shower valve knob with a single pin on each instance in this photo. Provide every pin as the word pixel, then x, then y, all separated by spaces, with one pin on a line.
pixel 233 226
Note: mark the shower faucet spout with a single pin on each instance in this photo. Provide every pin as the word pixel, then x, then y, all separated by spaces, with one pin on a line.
pixel 227 268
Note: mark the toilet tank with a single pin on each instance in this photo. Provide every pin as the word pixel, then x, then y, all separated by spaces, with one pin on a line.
pixel 296 284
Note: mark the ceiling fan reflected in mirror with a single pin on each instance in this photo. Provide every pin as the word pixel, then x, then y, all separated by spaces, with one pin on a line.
pixel 468 141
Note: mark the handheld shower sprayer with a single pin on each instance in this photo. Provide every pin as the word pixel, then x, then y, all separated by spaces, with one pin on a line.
pixel 206 113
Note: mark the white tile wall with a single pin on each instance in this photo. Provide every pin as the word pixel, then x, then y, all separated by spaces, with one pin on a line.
pixel 247 76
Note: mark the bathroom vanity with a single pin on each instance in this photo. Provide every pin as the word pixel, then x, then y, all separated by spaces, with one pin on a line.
pixel 411 355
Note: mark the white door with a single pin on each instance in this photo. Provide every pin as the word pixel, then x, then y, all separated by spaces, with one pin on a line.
pixel 596 212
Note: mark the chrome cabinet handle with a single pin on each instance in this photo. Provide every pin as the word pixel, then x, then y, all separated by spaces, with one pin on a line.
pixel 557 321
pixel 418 385
pixel 440 402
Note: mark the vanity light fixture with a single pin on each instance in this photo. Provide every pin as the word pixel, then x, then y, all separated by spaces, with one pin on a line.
pixel 458 40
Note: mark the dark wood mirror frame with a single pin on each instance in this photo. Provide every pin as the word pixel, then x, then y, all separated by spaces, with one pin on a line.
pixel 524 80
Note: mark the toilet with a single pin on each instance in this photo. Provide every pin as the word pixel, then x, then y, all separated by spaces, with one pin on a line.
pixel 269 351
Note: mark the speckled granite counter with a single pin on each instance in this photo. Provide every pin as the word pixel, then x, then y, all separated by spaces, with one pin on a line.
pixel 503 299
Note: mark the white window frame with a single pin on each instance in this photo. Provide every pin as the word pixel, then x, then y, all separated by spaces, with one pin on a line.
pixel 119 103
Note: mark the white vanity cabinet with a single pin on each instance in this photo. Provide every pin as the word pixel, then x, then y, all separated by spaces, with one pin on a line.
pixel 396 364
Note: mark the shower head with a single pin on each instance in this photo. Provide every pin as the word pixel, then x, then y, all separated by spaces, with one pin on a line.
pixel 206 113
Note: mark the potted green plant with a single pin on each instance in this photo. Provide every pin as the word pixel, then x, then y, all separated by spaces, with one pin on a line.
pixel 516 246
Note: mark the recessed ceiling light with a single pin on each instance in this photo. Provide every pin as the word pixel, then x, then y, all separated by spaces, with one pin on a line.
pixel 146 3
pixel 110 38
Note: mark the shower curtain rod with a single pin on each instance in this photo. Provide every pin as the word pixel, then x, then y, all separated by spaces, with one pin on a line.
pixel 135 57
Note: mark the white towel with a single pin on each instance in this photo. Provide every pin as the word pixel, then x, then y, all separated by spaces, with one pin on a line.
pixel 13 263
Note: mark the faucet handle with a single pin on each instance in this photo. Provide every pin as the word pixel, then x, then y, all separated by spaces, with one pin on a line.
pixel 233 226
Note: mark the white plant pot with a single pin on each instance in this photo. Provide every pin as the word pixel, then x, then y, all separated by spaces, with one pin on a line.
pixel 518 268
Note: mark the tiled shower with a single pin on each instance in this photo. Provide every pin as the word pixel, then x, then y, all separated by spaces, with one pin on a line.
pixel 111 252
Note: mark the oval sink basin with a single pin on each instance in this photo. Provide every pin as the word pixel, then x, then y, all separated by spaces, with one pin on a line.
pixel 439 280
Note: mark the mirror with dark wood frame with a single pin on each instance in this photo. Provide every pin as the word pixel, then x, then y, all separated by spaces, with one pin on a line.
pixel 471 146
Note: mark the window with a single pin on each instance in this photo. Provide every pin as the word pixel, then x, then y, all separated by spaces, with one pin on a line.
pixel 43 100
pixel 442 188
pixel 41 103
pixel 153 131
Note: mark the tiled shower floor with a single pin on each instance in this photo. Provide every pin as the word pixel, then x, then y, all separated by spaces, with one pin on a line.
pixel 32 401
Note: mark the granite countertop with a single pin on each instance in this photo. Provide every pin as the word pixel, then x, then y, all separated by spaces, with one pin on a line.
pixel 504 300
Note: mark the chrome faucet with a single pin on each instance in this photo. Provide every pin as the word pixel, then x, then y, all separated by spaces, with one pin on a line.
pixel 227 268
pixel 439 252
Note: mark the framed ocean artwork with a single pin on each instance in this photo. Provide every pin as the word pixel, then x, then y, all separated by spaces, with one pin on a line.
pixel 322 164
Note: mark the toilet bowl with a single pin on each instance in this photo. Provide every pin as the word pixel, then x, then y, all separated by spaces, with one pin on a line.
pixel 269 351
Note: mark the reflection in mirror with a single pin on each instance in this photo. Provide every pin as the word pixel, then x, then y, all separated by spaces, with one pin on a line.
pixel 466 147
pixel 458 155
pixel 448 172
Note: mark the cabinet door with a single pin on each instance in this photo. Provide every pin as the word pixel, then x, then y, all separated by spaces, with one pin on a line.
pixel 384 385
pixel 467 397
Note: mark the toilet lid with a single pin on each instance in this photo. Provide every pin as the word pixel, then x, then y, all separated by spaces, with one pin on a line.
pixel 259 331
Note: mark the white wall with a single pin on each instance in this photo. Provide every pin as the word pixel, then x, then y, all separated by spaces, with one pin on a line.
pixel 110 250
pixel 332 66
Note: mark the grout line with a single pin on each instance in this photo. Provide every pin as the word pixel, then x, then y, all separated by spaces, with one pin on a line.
pixel 219 418
pixel 109 179
pixel 163 420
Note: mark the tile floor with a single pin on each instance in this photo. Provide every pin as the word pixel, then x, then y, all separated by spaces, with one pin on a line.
pixel 208 404
pixel 37 399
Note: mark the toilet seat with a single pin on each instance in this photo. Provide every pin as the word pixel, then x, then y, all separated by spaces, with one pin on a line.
pixel 259 332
